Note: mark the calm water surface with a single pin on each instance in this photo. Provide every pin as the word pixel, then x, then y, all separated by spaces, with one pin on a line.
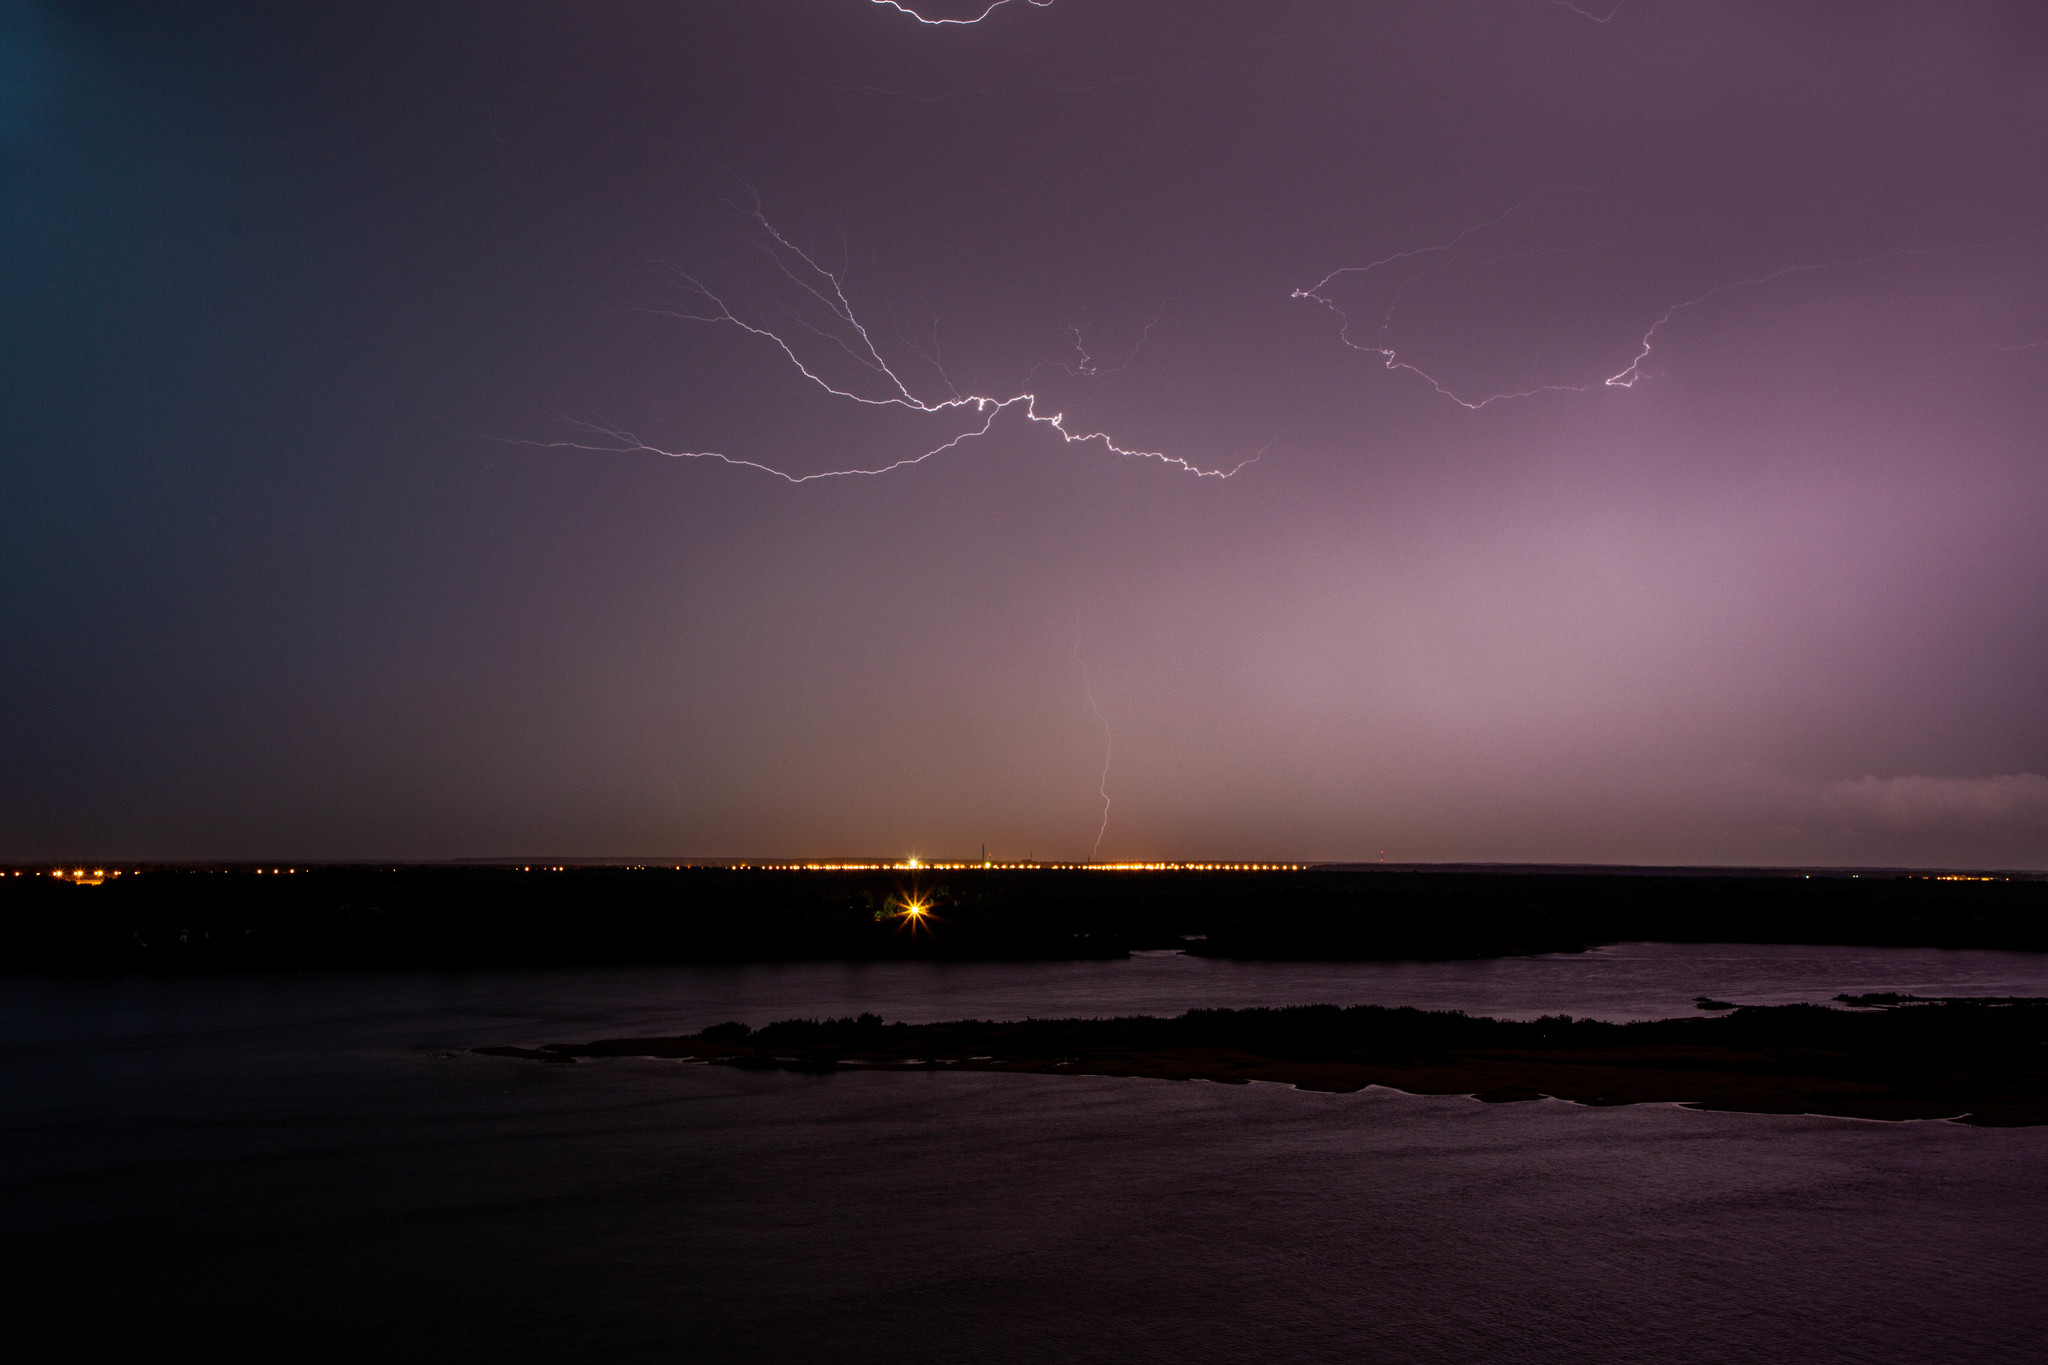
pixel 307 1168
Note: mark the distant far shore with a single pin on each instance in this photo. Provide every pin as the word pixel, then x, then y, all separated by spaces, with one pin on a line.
pixel 1981 1062
pixel 171 919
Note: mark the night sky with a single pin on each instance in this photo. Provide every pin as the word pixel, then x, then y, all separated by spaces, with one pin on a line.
pixel 342 345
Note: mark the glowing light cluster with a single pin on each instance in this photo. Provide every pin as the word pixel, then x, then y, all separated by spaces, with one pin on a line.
pixel 1191 867
pixel 846 332
pixel 919 865
pixel 82 876
pixel 96 876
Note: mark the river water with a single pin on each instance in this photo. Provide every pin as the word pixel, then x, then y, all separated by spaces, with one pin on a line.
pixel 293 1168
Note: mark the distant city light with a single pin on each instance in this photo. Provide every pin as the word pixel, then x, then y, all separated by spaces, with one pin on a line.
pixel 971 865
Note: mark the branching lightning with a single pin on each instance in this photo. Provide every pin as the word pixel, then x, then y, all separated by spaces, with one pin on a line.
pixel 1384 349
pixel 1088 367
pixel 960 23
pixel 843 329
pixel 1624 378
pixel 1238 47
pixel 1583 13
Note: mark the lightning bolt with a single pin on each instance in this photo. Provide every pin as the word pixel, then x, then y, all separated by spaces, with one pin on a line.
pixel 1625 378
pixel 1388 354
pixel 1606 18
pixel 958 23
pixel 843 328
pixel 1237 49
pixel 1108 738
pixel 1088 367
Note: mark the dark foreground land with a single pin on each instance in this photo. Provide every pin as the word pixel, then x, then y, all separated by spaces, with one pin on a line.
pixel 1981 1061
pixel 181 919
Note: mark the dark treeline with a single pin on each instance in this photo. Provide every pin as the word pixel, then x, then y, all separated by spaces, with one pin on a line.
pixel 451 916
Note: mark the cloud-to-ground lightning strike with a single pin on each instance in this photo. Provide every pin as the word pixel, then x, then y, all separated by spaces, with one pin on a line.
pixel 827 289
pixel 1624 378
pixel 936 23
pixel 1108 745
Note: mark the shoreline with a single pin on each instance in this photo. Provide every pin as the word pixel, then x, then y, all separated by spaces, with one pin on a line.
pixel 180 920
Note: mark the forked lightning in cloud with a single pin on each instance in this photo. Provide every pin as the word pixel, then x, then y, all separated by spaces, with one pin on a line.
pixel 1445 255
pixel 1597 17
pixel 843 329
pixel 1383 348
pixel 998 4
pixel 1627 378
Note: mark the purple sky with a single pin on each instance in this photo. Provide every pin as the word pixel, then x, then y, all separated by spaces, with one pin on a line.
pixel 309 310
